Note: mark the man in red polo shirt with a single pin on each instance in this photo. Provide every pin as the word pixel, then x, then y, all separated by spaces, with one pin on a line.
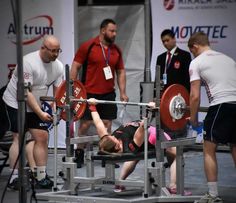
pixel 102 63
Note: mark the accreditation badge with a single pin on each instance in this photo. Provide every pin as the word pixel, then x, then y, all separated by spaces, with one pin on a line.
pixel 107 72
pixel 164 78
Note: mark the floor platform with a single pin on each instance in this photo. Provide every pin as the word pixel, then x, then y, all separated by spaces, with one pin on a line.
pixel 194 178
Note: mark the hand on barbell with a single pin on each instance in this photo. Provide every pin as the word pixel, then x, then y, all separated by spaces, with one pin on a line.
pixel 152 105
pixel 124 97
pixel 92 101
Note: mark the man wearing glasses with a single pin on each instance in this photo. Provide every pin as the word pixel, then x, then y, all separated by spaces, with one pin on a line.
pixel 41 69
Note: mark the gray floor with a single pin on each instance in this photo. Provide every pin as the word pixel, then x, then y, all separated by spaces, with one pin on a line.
pixel 194 175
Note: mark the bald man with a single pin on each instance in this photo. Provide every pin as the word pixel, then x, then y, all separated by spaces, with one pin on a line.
pixel 41 69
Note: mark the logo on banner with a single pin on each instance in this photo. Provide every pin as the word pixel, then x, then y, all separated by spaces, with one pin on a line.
pixel 33 29
pixel 204 4
pixel 214 32
pixel 169 4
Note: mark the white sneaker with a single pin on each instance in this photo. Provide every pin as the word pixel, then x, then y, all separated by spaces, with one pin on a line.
pixel 207 198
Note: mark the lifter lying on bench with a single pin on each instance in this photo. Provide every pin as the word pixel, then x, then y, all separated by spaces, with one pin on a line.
pixel 129 138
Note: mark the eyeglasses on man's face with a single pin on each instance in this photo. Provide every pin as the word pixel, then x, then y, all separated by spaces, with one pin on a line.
pixel 54 51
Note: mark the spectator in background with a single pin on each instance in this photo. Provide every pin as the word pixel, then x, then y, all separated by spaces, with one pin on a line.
pixel 174 69
pixel 174 63
pixel 101 62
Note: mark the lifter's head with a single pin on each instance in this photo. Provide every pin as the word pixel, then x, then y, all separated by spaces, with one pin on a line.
pixel 111 144
pixel 50 48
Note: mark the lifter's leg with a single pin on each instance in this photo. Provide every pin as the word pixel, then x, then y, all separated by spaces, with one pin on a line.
pixel 171 156
pixel 127 169
pixel 233 152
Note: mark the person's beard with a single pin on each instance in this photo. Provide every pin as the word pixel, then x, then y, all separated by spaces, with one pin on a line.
pixel 109 40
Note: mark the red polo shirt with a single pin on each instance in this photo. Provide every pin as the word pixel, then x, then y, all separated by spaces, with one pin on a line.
pixel 95 79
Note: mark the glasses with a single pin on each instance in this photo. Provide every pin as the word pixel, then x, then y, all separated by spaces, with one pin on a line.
pixel 54 51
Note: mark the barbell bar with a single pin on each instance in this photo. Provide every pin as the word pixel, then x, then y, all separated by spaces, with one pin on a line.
pixel 184 108
pixel 110 102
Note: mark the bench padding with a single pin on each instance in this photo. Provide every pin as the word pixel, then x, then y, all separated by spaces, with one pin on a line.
pixel 121 157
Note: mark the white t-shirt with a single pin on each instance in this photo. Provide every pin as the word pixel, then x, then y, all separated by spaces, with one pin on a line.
pixel 39 74
pixel 218 73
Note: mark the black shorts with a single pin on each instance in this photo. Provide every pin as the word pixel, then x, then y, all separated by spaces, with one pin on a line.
pixel 32 120
pixel 220 124
pixel 4 123
pixel 106 111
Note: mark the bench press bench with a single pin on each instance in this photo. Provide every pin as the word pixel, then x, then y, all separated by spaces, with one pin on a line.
pixel 121 157
pixel 112 158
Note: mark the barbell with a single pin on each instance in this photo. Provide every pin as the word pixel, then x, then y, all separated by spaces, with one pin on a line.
pixel 110 102
pixel 174 104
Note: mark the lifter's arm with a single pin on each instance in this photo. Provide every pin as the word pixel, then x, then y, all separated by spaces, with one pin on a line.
pixel 101 129
pixel 139 133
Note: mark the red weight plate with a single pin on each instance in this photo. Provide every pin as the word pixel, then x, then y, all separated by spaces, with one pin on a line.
pixel 79 92
pixel 166 98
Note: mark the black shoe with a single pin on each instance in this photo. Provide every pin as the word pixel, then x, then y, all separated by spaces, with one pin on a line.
pixel 44 183
pixel 79 157
pixel 50 181
pixel 104 164
pixel 14 185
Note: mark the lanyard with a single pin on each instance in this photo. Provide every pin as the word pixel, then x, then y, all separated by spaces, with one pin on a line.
pixel 104 55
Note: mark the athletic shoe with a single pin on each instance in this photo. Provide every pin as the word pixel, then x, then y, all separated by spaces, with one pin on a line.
pixel 44 183
pixel 119 188
pixel 14 185
pixel 48 178
pixel 173 191
pixel 207 198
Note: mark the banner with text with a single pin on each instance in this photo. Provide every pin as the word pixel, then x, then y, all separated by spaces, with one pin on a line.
pixel 42 17
pixel 184 17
